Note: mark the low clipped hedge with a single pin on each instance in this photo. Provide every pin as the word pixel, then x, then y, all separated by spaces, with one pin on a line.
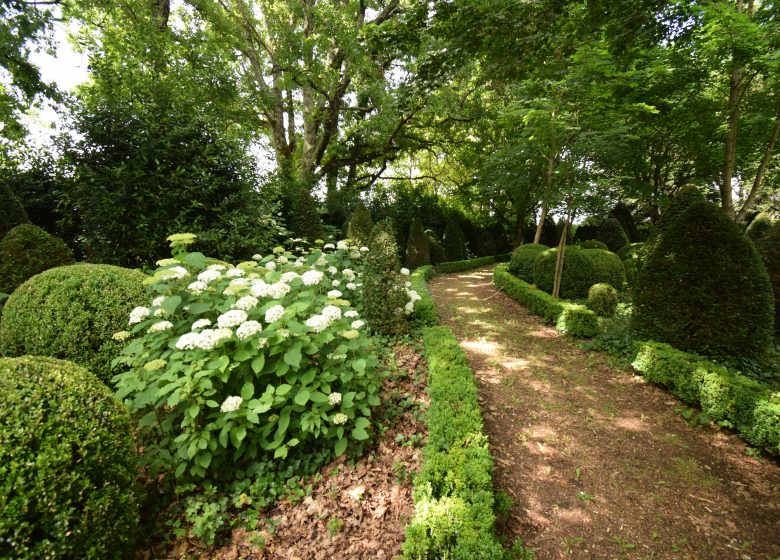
pixel 728 398
pixel 569 318
pixel 424 309
pixel 453 495
pixel 68 468
pixel 521 264
pixel 27 250
pixel 72 312
pixel 460 266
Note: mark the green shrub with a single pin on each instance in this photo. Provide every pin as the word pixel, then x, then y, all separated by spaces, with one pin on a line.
pixel 607 267
pixel 383 296
pixel 27 250
pixel 593 244
pixel 704 289
pixel 522 261
pixel 603 299
pixel 417 248
pixel 300 210
pixel 684 198
pixel 769 250
pixel 569 318
pixel 436 250
pixel 631 269
pixel 360 225
pixel 68 469
pixel 578 273
pixel 424 309
pixel 11 211
pixel 623 214
pixel 460 266
pixel 72 312
pixel 454 243
pixel 631 251
pixel 759 229
pixel 612 235
pixel 587 230
pixel 486 244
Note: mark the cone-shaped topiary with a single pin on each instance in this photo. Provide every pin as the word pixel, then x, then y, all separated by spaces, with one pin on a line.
pixel 360 225
pixel 602 299
pixel 27 250
pixel 417 248
pixel 72 312
pixel 384 295
pixel 622 214
pixel 769 249
pixel 454 243
pixel 300 211
pixel 703 288
pixel 612 235
pixel 68 469
pixel 11 211
pixel 759 229
pixel 682 200
pixel 594 244
pixel 550 233
pixel 436 251
pixel 486 244
pixel 521 264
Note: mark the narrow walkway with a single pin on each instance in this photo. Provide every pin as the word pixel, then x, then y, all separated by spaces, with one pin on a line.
pixel 599 463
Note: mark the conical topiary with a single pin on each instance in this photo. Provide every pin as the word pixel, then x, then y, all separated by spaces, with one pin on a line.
pixel 383 295
pixel 301 214
pixel 360 225
pixel 769 249
pixel 759 229
pixel 612 235
pixel 454 243
pixel 417 247
pixel 682 200
pixel 703 288
pixel 436 251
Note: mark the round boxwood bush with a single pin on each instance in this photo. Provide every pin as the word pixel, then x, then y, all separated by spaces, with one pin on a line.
pixel 72 312
pixel 521 264
pixel 612 235
pixel 631 251
pixel 603 299
pixel 11 211
pixel 593 244
pixel 578 273
pixel 68 469
pixel 607 267
pixel 27 250
pixel 703 288
pixel 417 246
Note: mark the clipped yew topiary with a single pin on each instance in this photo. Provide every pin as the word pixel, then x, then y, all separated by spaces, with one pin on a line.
pixel 521 264
pixel 27 250
pixel 72 312
pixel 454 243
pixel 703 288
pixel 360 225
pixel 384 296
pixel 612 235
pixel 68 469
pixel 607 267
pixel 578 273
pixel 770 253
pixel 11 211
pixel 594 244
pixel 682 200
pixel 631 251
pixel 300 210
pixel 417 247
pixel 602 299
pixel 435 249
pixel 759 229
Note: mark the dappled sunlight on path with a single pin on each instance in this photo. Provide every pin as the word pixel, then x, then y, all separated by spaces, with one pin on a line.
pixel 599 463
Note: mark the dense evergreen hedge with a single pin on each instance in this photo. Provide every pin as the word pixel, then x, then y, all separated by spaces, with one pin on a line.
pixel 468 264
pixel 417 246
pixel 424 309
pixel 27 250
pixel 11 211
pixel 521 264
pixel 612 235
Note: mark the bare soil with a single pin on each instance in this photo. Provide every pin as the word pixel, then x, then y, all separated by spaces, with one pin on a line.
pixel 599 463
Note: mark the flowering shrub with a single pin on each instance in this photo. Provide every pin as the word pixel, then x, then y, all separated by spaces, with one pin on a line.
pixel 230 363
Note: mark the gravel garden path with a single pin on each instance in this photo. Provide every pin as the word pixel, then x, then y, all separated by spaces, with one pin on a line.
pixel 600 464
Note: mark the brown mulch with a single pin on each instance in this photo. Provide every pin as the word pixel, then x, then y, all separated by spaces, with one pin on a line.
pixel 599 463
pixel 356 510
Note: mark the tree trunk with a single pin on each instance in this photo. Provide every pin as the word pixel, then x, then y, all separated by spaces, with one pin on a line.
pixel 546 196
pixel 755 189
pixel 556 291
pixel 730 145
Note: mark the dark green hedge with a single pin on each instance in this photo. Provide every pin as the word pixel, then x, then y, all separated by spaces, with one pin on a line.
pixel 424 309
pixel 522 261
pixel 569 318
pixel 453 495
pixel 726 397
pixel 27 250
pixel 460 266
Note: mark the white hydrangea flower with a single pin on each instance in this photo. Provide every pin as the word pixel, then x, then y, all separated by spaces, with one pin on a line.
pixel 166 262
pixel 257 257
pixel 321 261
pixel 408 284
pixel 409 308
pixel 357 324
pixel 284 333
pixel 342 245
pixel 334 398
pixel 298 263
pixel 288 277
pixel 235 273
pixel 209 275
pixel 413 295
pixel 158 300
pixel 231 404
pixel 405 271
pixel 138 314
pixel 262 343
pixel 351 314
pixel 351 286
pixel 246 303
pixel 188 341
pixel 174 273
pixel 340 418
pixel 270 265
pixel 121 336
pixel 247 329
pixel 317 323
pixel 259 288
pixel 231 318
pixel 354 255
pixel 200 323
pixel 336 283
pixel 334 294
pixel 329 246
pixel 331 312
pixel 348 273
pixel 159 312
pixel 217 267
pixel 311 277
pixel 161 326
pixel 274 313
pixel 278 290
pixel 197 287
pixel 209 338
pixel 364 249
pixel 283 259
pixel 332 270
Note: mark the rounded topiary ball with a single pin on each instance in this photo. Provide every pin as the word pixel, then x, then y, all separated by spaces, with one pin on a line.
pixel 68 469
pixel 607 267
pixel 27 250
pixel 703 288
pixel 577 276
pixel 594 244
pixel 521 264
pixel 603 299
pixel 72 312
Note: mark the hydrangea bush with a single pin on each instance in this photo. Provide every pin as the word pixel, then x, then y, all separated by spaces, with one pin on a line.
pixel 230 364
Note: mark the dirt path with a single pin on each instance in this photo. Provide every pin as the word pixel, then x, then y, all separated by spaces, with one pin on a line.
pixel 599 463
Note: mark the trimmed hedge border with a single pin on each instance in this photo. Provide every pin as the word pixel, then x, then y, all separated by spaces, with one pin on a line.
pixel 731 399
pixel 453 495
pixel 424 309
pixel 569 318
pixel 460 266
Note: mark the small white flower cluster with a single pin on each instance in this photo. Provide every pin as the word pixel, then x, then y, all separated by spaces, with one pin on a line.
pixel 348 273
pixel 317 323
pixel 175 273
pixel 198 287
pixel 351 314
pixel 209 275
pixel 161 326
pixel 414 297
pixel 274 313
pixel 246 303
pixel 334 398
pixel 200 323
pixel 231 404
pixel 357 324
pixel 340 418
pixel 334 294
pixel 232 318
pixel 270 265
pixel 138 314
pixel 312 277
pixel 275 291
pixel 405 271
pixel 206 339
pixel 235 273
pixel 248 329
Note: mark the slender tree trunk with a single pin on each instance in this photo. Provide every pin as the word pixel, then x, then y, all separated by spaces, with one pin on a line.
pixel 556 291
pixel 546 196
pixel 730 145
pixel 755 189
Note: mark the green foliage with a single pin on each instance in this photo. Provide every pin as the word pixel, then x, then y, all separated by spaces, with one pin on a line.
pixel 486 244
pixel 769 249
pixel 231 365
pixel 453 495
pixel 631 270
pixel 585 232
pixel 436 251
pixel 11 211
pixel 27 250
pixel 759 229
pixel 728 398
pixel 383 294
pixel 454 243
pixel 622 214
pixel 631 251
pixel 300 210
pixel 417 247
pixel 360 225
pixel 460 266
pixel 607 267
pixel 612 235
pixel 424 310
pixel 603 299
pixel 68 469
pixel 550 234
pixel 578 272
pixel 684 198
pixel 704 289
pixel 522 261
pixel 594 244
pixel 72 312
pixel 576 320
